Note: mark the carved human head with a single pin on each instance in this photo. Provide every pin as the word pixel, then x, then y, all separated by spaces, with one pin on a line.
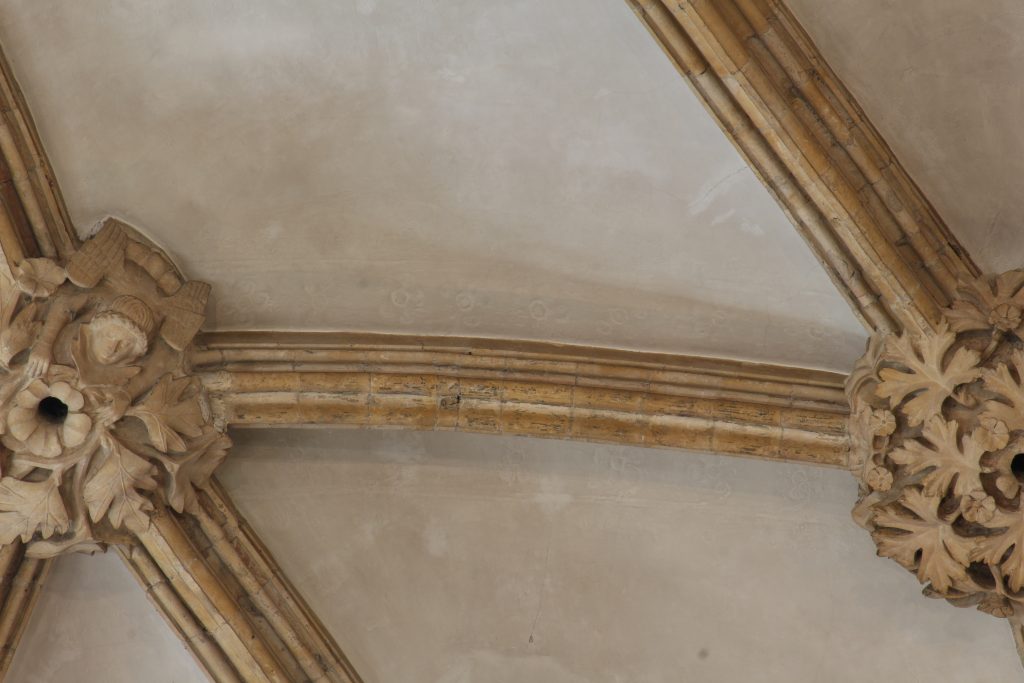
pixel 122 332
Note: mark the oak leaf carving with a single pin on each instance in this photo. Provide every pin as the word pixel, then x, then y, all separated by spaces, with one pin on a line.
pixel 171 410
pixel 946 459
pixel 929 378
pixel 992 549
pixel 27 507
pixel 113 487
pixel 944 555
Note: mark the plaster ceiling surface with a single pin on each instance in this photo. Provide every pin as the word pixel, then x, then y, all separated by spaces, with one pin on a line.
pixel 521 169
pixel 941 79
pixel 454 558
pixel 93 622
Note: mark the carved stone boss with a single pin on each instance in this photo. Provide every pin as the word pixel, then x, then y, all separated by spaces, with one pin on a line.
pixel 937 425
pixel 99 415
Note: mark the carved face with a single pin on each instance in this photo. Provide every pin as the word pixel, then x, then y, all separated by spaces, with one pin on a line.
pixel 114 339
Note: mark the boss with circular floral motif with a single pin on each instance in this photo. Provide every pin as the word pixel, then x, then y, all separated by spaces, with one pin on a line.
pixel 99 415
pixel 937 425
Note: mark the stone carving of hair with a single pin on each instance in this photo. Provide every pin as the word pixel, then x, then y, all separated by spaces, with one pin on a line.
pixel 135 316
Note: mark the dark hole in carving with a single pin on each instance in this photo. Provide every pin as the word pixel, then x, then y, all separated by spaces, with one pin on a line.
pixel 1017 466
pixel 949 503
pixel 982 574
pixel 53 409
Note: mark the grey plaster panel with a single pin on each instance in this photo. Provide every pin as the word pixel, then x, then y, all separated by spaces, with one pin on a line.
pixel 522 169
pixel 454 558
pixel 94 624
pixel 942 81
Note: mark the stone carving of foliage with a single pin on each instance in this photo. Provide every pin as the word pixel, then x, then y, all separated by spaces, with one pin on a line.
pixel 922 540
pixel 1004 549
pixel 928 377
pixel 31 507
pixel 989 304
pixel 948 462
pixel 99 417
pixel 1008 405
pixel 937 431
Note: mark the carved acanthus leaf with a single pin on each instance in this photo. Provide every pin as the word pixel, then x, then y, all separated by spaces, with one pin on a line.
pixel 946 460
pixel 928 376
pixel 944 555
pixel 27 507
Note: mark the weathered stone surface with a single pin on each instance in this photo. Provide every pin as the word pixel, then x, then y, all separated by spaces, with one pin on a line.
pixel 98 413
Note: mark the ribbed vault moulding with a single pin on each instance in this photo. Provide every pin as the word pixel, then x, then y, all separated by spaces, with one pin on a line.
pixel 938 409
pixel 937 400
pixel 772 93
pixel 533 389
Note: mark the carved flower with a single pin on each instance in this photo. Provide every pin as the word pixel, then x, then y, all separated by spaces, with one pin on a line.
pixel 883 423
pixel 989 303
pixel 992 433
pixel 879 478
pixel 48 418
pixel 979 507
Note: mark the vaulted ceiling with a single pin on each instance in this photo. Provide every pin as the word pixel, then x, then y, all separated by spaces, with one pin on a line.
pixel 528 171
pixel 521 170
pixel 941 80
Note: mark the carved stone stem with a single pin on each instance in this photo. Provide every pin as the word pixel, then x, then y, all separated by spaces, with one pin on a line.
pixel 221 590
pixel 206 651
pixel 545 390
pixel 21 583
pixel 33 222
pixel 803 133
pixel 33 218
pixel 1017 626
pixel 282 610
pixel 214 607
